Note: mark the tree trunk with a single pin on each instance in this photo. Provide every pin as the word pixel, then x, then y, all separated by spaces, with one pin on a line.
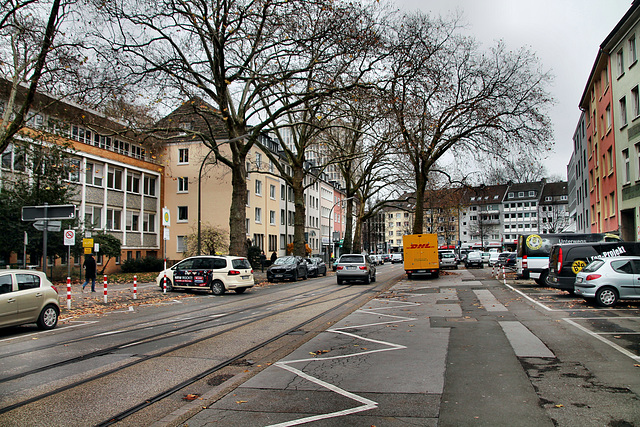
pixel 421 185
pixel 299 246
pixel 357 235
pixel 347 243
pixel 238 210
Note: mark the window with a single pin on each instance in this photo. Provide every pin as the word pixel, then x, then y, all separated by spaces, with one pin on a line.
pixel 114 219
pixel 114 179
pixel 183 213
pixel 149 186
pixel 258 187
pixel 183 156
pixel 272 218
pixel 623 112
pixel 258 217
pixel 607 117
pixel 610 159
pixel 282 217
pixel 149 223
pixel 133 183
pixel 638 161
pixel 612 204
pixel 272 192
pixel 258 161
pixel 74 170
pixel 520 193
pixel 635 102
pixel 633 56
pixel 181 243
pixel 133 219
pixel 183 184
pixel 532 193
pixel 92 216
pixel 620 62
pixel 94 174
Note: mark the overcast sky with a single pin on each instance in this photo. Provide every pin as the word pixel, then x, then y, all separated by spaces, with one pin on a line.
pixel 564 34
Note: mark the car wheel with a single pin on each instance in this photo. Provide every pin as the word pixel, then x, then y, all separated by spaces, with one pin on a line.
pixel 606 297
pixel 48 318
pixel 408 275
pixel 339 281
pixel 542 280
pixel 294 278
pixel 169 286
pixel 367 280
pixel 306 274
pixel 240 290
pixel 217 287
pixel 373 279
pixel 325 272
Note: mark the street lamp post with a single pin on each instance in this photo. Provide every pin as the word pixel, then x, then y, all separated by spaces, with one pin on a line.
pixel 330 212
pixel 200 186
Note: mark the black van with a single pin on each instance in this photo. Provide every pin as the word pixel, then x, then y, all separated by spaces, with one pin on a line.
pixel 566 260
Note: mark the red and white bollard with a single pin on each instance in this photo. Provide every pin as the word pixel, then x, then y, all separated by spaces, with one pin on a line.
pixel 164 284
pixel 68 293
pixel 135 287
pixel 105 288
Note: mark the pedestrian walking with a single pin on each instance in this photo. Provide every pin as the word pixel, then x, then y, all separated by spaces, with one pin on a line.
pixel 89 266
pixel 274 257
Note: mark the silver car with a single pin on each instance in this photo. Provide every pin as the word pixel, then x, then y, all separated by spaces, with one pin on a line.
pixel 448 260
pixel 609 280
pixel 355 267
pixel 27 296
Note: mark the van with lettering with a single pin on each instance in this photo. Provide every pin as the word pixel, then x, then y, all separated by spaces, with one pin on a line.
pixel 567 260
pixel 421 254
pixel 532 254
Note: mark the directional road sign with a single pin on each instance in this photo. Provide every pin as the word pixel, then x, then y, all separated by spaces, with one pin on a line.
pixel 51 226
pixel 33 213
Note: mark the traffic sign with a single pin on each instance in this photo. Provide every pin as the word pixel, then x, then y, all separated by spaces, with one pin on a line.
pixel 166 217
pixel 69 237
pixel 87 243
pixel 51 225
pixel 33 213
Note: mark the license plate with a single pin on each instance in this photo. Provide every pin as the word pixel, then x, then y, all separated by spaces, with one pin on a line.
pixel 278 275
pixel 245 277
pixel 351 267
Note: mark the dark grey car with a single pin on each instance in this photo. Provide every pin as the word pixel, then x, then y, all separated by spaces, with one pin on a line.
pixel 288 268
pixel 355 267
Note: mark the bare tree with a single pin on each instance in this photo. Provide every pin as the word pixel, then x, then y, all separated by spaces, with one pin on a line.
pixel 518 170
pixel 25 45
pixel 446 95
pixel 238 55
pixel 554 218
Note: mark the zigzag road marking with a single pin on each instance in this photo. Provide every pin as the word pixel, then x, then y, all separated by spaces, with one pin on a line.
pixel 367 404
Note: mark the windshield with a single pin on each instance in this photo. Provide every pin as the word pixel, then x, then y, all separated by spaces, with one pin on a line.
pixel 242 263
pixel 593 266
pixel 285 260
pixel 351 259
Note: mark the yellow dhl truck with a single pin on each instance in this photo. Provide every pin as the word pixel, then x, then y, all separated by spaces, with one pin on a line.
pixel 421 254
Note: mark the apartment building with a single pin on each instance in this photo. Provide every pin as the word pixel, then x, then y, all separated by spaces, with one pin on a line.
pixel 554 214
pixel 480 216
pixel 578 181
pixel 117 185
pixel 520 210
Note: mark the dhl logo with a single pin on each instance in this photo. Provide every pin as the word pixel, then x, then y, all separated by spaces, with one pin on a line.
pixel 420 246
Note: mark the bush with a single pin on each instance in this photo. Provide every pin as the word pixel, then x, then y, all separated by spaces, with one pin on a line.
pixel 143 265
pixel 253 254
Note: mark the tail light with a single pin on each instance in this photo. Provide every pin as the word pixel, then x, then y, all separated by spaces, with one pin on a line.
pixel 233 273
pixel 525 263
pixel 55 289
pixel 363 267
pixel 339 267
pixel 559 267
pixel 593 277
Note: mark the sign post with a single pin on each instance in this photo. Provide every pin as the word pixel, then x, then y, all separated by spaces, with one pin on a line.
pixel 69 240
pixel 166 222
pixel 46 213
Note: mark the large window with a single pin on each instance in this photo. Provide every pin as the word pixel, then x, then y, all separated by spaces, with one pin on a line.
pixel 94 174
pixel 183 156
pixel 93 216
pixel 633 55
pixel 183 213
pixel 133 221
pixel 635 102
pixel 272 191
pixel 114 178
pixel 149 186
pixel 258 187
pixel 620 62
pixel 623 112
pixel 272 217
pixel 114 219
pixel 183 184
pixel 133 183
pixel 149 223
pixel 258 215
pixel 181 243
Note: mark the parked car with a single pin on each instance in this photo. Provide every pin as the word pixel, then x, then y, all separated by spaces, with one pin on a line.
pixel 485 257
pixel 493 258
pixel 316 267
pixel 396 258
pixel 27 296
pixel 609 280
pixel 207 272
pixel 448 260
pixel 377 259
pixel 507 259
pixel 288 268
pixel 474 259
pixel 355 267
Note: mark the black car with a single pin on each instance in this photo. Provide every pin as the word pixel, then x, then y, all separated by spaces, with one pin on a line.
pixel 316 267
pixel 474 259
pixel 507 259
pixel 288 268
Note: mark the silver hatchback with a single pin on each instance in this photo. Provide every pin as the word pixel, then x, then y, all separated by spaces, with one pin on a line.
pixel 355 267
pixel 27 296
pixel 609 280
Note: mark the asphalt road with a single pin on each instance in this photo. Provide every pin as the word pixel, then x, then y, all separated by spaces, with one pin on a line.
pixel 464 349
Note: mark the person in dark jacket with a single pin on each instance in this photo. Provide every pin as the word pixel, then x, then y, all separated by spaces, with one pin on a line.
pixel 89 272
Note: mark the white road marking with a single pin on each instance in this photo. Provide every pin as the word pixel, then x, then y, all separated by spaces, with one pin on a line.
pixel 604 340
pixel 488 301
pixel 367 404
pixel 523 341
